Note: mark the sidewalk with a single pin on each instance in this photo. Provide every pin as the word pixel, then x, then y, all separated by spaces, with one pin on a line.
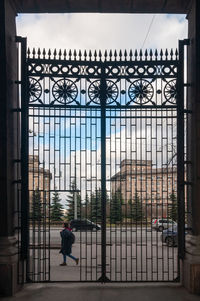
pixel 103 292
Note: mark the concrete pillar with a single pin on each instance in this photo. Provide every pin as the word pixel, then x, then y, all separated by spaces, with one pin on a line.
pixel 191 263
pixel 8 75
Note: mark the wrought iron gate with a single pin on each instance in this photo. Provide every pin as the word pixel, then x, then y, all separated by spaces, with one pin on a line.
pixel 105 135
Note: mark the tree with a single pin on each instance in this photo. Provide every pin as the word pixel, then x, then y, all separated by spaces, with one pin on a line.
pixel 136 210
pixel 36 212
pixel 56 208
pixel 85 209
pixel 116 207
pixel 71 201
pixel 95 203
pixel 173 207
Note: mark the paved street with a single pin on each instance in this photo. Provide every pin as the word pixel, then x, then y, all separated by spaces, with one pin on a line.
pixel 131 255
pixel 113 236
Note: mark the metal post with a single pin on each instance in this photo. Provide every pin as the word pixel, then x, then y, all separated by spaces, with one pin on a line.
pixel 24 152
pixel 180 152
pixel 103 277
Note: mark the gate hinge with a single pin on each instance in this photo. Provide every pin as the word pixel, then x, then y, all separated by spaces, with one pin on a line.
pixel 187 111
pixel 17 182
pixel 16 110
pixel 187 85
pixel 187 183
pixel 17 161
pixel 187 162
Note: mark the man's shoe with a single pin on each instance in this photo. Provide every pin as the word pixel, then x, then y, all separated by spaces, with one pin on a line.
pixel 62 264
pixel 77 261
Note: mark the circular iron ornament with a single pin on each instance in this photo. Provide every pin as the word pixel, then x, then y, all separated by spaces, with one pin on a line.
pixel 75 70
pixel 54 68
pixel 115 70
pixel 94 91
pixel 170 91
pixel 141 70
pixel 141 91
pixel 38 68
pixel 91 70
pixel 131 70
pixel 64 91
pixel 34 89
pixel 151 70
pixel 167 70
pixel 64 69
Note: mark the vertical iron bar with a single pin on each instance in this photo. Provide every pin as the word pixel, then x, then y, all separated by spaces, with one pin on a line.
pixel 131 192
pixel 103 172
pixel 48 253
pixel 152 201
pixel 180 153
pixel 154 192
pixel 24 155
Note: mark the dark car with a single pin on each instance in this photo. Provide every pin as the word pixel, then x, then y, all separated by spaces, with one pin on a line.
pixel 170 236
pixel 84 224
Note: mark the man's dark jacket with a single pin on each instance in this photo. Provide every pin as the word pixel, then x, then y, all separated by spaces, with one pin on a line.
pixel 66 242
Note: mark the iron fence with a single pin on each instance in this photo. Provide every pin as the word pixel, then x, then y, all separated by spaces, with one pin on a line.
pixel 104 136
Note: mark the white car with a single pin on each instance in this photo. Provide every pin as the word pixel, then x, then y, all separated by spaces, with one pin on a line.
pixel 161 224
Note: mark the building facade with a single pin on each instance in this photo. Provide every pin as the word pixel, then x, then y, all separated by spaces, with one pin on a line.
pixel 154 186
pixel 38 180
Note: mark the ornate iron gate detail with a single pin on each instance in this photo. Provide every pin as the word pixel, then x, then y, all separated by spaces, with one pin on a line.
pixel 103 132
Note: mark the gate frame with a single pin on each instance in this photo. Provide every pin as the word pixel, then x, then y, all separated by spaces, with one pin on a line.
pixel 180 159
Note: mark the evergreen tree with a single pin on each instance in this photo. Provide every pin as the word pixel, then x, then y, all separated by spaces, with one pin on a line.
pixel 136 210
pixel 116 207
pixel 36 210
pixel 71 201
pixel 85 209
pixel 173 207
pixel 56 208
pixel 95 203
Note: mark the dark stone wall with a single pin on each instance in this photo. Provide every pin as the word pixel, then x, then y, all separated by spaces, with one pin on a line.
pixel 8 75
pixel 103 6
pixel 194 119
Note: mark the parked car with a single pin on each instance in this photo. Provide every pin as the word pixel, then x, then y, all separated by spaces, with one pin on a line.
pixel 161 224
pixel 84 224
pixel 170 236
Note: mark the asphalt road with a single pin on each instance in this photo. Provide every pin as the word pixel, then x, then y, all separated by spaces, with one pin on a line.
pixel 132 254
pixel 113 236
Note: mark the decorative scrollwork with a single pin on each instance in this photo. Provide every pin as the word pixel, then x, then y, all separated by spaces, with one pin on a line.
pixel 34 89
pixel 94 91
pixel 141 91
pixel 170 91
pixel 64 91
pixel 111 91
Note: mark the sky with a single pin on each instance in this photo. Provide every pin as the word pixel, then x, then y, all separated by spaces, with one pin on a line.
pixel 102 31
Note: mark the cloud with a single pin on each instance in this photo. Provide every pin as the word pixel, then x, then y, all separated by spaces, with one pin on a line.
pixel 101 31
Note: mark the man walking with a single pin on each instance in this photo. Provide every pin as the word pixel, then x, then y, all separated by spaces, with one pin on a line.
pixel 67 239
